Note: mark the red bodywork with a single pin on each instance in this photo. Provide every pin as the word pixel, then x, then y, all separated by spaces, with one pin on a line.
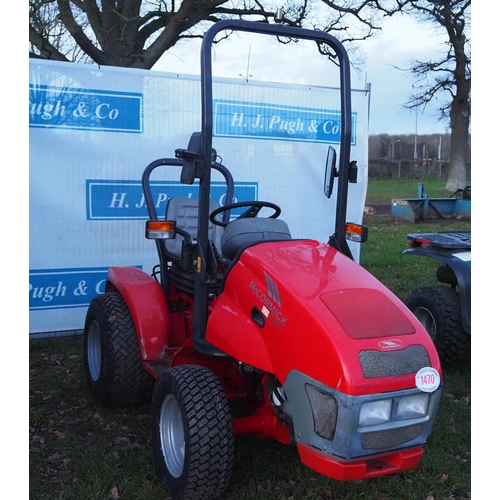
pixel 320 309
pixel 148 307
pixel 331 308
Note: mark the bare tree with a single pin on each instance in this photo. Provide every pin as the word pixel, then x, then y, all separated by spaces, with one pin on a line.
pixel 136 33
pixel 450 74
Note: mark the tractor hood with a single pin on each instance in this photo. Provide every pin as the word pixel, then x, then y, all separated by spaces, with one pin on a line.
pixel 304 306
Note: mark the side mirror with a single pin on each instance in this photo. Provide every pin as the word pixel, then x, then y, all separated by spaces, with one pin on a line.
pixel 330 171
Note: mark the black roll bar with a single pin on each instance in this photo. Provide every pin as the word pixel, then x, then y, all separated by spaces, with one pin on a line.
pixel 338 239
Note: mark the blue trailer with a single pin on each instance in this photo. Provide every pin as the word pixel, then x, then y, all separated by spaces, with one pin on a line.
pixel 457 206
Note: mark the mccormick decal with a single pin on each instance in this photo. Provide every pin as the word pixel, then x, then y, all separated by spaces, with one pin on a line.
pixel 390 345
pixel 274 121
pixel 271 302
pixel 85 109
pixel 124 200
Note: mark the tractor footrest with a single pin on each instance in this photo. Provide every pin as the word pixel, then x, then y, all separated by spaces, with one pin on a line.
pixel 156 368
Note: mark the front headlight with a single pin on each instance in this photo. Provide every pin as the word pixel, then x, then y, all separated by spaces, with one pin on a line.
pixel 412 406
pixel 375 412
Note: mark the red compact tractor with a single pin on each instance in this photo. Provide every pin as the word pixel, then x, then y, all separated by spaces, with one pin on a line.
pixel 244 329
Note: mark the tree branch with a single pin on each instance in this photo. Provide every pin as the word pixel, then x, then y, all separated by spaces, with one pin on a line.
pixel 78 34
pixel 47 50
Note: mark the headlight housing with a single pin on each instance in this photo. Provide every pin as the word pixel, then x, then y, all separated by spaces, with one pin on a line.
pixel 414 406
pixel 382 411
pixel 375 412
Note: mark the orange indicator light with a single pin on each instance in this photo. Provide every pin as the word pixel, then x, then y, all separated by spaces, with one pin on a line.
pixel 160 229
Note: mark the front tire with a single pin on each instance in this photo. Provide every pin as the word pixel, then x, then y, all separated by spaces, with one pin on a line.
pixel 192 433
pixel 112 356
pixel 438 308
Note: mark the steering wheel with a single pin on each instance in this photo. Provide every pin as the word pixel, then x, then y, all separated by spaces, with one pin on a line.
pixel 254 207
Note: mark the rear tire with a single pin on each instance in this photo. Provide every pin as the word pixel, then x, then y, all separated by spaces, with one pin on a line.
pixel 438 308
pixel 192 433
pixel 112 356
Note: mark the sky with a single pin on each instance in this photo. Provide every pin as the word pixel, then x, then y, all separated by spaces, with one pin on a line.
pixel 401 41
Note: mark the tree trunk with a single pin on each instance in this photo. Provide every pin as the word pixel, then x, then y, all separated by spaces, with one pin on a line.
pixel 460 104
pixel 459 124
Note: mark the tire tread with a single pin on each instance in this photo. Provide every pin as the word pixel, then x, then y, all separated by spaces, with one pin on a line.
pixel 125 382
pixel 452 342
pixel 209 437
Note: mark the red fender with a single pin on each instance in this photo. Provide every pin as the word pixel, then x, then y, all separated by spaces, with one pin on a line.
pixel 148 306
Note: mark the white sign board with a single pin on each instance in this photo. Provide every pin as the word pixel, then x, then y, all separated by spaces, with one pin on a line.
pixel 94 130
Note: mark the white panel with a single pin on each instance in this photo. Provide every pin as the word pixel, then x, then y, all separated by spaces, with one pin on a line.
pixel 92 133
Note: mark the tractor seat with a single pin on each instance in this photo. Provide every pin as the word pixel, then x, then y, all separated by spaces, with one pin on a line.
pixel 241 233
pixel 185 213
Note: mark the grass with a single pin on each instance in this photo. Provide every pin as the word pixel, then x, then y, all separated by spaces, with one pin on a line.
pixel 384 190
pixel 80 451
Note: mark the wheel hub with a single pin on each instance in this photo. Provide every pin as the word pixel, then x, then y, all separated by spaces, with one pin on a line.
pixel 427 319
pixel 94 351
pixel 172 435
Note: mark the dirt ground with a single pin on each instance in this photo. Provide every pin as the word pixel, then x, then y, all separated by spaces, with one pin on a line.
pixel 378 209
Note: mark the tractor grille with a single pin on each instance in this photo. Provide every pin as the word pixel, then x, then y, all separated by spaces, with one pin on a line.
pixel 389 439
pixel 375 364
pixel 324 408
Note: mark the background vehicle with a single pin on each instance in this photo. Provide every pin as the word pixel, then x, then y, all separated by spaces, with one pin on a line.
pixel 248 330
pixel 445 309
